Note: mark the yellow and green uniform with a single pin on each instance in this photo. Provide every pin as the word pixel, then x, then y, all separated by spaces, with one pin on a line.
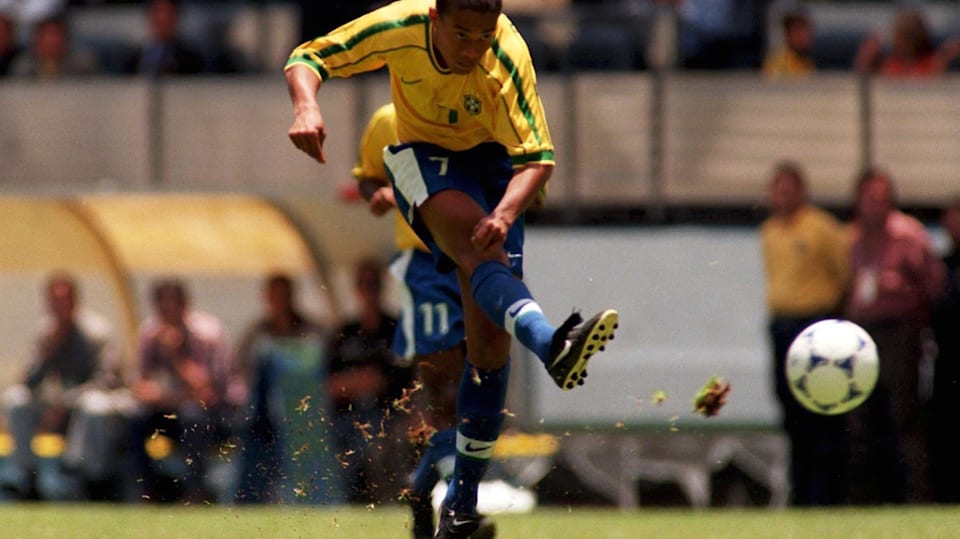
pixel 381 131
pixel 496 102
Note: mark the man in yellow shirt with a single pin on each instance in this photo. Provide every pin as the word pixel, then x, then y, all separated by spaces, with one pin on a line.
pixel 793 58
pixel 474 153
pixel 807 261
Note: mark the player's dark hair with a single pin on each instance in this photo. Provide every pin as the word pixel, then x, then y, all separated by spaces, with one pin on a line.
pixel 483 6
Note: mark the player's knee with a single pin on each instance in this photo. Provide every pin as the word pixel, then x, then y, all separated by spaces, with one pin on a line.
pixel 492 358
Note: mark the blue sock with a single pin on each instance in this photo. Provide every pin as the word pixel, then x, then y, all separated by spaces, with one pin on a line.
pixel 442 444
pixel 479 417
pixel 508 303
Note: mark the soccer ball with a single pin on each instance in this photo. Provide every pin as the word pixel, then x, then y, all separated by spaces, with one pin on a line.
pixel 832 366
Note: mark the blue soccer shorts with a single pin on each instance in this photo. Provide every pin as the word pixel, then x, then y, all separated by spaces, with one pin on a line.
pixel 419 170
pixel 431 316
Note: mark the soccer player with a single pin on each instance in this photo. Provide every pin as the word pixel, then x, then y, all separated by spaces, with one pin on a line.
pixel 474 153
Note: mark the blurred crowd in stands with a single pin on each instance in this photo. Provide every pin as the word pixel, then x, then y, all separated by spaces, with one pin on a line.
pixel 291 411
pixel 780 37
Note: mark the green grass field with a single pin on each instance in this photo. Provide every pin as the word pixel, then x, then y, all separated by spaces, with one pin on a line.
pixel 36 521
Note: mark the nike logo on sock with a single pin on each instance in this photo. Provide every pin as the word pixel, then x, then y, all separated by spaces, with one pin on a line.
pixel 471 448
pixel 515 309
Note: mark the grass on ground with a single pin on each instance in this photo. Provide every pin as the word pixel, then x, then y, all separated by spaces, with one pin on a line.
pixel 81 521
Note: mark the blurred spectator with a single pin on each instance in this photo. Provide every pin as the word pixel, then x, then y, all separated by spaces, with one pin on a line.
pixel 721 34
pixel 897 279
pixel 52 54
pixel 944 406
pixel 26 13
pixel 287 451
pixel 9 49
pixel 661 50
pixel 365 378
pixel 75 353
pixel 806 258
pixel 186 390
pixel 165 52
pixel 793 57
pixel 911 52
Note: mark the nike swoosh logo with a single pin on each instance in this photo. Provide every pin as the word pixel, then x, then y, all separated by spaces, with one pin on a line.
pixel 458 522
pixel 405 81
pixel 470 448
pixel 516 310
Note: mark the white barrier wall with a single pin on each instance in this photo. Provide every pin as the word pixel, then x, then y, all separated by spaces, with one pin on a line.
pixel 691 303
pixel 716 142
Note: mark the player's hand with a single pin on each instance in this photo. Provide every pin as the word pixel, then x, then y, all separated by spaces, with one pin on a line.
pixel 382 201
pixel 308 132
pixel 490 232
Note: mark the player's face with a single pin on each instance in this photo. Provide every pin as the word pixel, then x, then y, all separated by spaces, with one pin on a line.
pixel 461 37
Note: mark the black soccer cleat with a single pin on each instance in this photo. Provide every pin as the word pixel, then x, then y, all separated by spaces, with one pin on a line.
pixel 575 342
pixel 422 519
pixel 455 525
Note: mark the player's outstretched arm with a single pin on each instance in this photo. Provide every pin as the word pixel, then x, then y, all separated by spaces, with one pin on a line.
pixel 307 132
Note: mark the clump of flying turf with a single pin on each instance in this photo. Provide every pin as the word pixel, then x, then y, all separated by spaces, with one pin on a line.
pixel 711 397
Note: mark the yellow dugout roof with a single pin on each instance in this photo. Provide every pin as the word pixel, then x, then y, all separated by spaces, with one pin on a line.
pixel 191 233
pixel 111 241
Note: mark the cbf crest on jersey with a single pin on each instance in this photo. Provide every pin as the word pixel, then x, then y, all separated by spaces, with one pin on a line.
pixel 471 104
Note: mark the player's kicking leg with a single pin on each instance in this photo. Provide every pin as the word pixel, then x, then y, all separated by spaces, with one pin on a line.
pixel 566 350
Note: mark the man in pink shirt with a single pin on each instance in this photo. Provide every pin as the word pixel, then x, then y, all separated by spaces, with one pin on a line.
pixel 897 279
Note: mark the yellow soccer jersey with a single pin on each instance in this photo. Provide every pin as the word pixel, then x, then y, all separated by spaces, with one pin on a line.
pixel 497 102
pixel 382 131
